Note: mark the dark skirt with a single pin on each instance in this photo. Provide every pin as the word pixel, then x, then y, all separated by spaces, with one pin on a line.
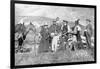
pixel 44 45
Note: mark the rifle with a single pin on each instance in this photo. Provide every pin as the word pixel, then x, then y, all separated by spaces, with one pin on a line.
pixel 68 33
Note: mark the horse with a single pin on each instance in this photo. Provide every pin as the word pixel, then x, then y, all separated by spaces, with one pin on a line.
pixel 30 31
pixel 37 38
pixel 20 28
pixel 19 35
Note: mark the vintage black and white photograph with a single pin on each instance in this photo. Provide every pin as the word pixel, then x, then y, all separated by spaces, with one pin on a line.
pixel 46 34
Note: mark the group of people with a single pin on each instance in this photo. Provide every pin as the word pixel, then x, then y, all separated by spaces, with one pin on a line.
pixel 61 35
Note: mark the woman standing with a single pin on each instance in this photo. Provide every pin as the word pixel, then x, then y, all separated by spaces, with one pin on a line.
pixel 44 43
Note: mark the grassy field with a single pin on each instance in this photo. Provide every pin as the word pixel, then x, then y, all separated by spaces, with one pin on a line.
pixel 57 57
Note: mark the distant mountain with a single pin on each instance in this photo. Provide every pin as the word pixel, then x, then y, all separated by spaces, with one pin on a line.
pixel 41 20
pixel 29 19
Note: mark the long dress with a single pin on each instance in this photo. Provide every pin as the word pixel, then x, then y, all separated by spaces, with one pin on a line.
pixel 44 43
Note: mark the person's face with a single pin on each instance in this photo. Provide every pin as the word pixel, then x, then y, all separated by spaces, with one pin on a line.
pixel 66 23
pixel 46 27
pixel 57 19
pixel 76 23
pixel 88 22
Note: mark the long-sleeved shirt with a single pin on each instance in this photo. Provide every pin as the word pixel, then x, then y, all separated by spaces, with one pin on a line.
pixel 77 28
pixel 66 28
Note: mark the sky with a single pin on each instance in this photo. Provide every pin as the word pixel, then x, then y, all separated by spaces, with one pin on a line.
pixel 67 13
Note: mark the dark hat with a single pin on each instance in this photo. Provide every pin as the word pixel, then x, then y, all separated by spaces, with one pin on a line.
pixel 45 25
pixel 31 23
pixel 54 20
pixel 65 21
pixel 57 18
pixel 77 21
pixel 88 20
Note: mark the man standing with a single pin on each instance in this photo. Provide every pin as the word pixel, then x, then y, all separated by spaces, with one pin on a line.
pixel 88 32
pixel 65 28
pixel 65 31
